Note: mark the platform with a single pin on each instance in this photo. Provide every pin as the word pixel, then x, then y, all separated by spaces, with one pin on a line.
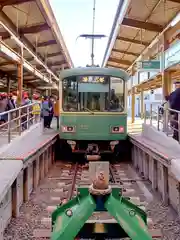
pixel 9 171
pixel 14 135
pixel 28 144
pixel 136 127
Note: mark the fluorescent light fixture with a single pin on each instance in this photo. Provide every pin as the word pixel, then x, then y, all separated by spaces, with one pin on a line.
pixel 175 20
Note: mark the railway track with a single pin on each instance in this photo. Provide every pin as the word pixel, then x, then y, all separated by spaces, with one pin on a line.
pixel 58 187
pixel 121 174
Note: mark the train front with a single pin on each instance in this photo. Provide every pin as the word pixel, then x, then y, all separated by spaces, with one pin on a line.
pixel 94 117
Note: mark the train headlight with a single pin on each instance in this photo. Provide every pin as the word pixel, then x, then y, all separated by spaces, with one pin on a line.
pixel 117 129
pixel 68 129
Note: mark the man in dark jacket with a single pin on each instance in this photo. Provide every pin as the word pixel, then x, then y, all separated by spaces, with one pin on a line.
pixel 45 111
pixel 51 113
pixel 174 101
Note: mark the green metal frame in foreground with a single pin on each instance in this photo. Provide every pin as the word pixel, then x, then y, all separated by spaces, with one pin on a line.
pixel 130 218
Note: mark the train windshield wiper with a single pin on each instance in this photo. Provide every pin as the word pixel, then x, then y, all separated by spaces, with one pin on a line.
pixel 89 110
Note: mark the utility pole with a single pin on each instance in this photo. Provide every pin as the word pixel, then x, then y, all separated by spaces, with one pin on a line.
pixel 92 36
pixel 92 53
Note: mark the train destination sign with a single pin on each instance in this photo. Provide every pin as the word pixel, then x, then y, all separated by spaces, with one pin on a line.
pixel 93 79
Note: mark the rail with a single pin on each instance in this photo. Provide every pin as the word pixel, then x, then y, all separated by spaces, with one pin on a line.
pixel 164 119
pixel 14 122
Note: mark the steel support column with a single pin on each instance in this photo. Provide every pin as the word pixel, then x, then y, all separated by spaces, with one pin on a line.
pixel 20 82
pixel 8 84
pixel 133 106
pixel 166 81
pixel 142 104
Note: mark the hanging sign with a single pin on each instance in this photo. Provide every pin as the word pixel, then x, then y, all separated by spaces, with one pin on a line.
pixel 148 65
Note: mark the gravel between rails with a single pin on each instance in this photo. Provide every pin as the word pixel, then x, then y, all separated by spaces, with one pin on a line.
pixel 32 212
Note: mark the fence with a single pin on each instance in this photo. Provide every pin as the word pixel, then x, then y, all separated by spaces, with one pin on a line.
pixel 164 119
pixel 18 120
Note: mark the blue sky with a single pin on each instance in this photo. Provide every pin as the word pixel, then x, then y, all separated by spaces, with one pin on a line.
pixel 75 17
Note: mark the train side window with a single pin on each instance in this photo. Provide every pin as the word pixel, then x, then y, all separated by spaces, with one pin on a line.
pixel 70 97
pixel 117 95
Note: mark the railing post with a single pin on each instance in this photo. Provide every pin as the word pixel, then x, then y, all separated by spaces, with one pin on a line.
pixel 145 113
pixel 9 127
pixel 158 118
pixel 178 127
pixel 165 123
pixel 19 116
pixel 151 114
pixel 27 117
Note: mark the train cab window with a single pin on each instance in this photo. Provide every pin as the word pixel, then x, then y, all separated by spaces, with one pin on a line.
pixel 117 95
pixel 70 96
pixel 93 93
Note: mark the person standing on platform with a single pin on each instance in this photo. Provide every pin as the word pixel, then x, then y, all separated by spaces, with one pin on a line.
pixel 36 107
pixel 174 102
pixel 24 111
pixel 51 106
pixel 4 108
pixel 45 112
pixel 56 111
pixel 11 101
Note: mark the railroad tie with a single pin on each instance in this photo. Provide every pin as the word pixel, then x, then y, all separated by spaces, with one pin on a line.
pixel 67 187
pixel 156 233
pixel 58 191
pixel 47 222
pixel 127 185
pixel 51 209
pixel 61 184
pixel 56 200
pixel 128 192
pixel 42 233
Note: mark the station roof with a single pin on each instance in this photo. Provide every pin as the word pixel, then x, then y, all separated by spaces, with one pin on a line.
pixel 34 24
pixel 94 71
pixel 136 25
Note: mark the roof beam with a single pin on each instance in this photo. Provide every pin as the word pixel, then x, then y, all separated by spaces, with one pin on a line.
pixel 54 54
pixel 27 30
pixel 121 61
pixel 7 63
pixel 47 56
pixel 51 64
pixel 142 25
pixel 111 65
pixel 175 1
pixel 6 20
pixel 48 43
pixel 124 52
pixel 4 3
pixel 34 29
pixel 133 41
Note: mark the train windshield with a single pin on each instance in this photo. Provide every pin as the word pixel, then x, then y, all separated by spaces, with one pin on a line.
pixel 93 93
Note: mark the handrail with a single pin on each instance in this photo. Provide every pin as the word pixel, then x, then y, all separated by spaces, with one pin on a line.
pixel 15 109
pixel 18 120
pixel 167 120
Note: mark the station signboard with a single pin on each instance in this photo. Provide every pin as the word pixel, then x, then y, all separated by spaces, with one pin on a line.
pixel 148 65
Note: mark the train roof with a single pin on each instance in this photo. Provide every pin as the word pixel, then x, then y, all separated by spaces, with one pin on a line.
pixel 95 71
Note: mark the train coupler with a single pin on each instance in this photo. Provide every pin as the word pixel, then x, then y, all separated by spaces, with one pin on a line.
pixel 92 153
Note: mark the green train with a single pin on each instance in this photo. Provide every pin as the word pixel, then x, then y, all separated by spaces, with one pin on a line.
pixel 93 112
